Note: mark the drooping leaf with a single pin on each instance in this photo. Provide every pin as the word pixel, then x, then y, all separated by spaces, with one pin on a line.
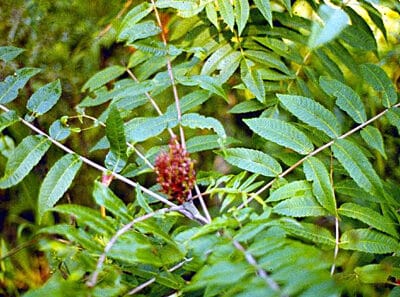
pixel 375 16
pixel 44 98
pixel 116 158
pixel 264 6
pixel 7 119
pixel 226 11
pixel 358 38
pixel 8 53
pixel 373 137
pixel 251 77
pixel 253 161
pixel 281 133
pixel 57 182
pixel 347 99
pixel 334 21
pixel 315 170
pixel 105 197
pixel 102 77
pixel 368 241
pixel 357 165
pixel 195 120
pixel 25 156
pixel 379 80
pixel 305 206
pixel 308 231
pixel 312 113
pixel 368 216
pixel 10 86
pixel 293 189
pixel 242 12
pixel 89 217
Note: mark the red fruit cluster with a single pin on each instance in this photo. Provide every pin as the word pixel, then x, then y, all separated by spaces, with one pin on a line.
pixel 175 172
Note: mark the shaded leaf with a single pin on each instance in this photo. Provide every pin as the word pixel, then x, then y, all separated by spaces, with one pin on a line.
pixel 25 156
pixel 251 77
pixel 368 241
pixel 264 6
pixel 334 21
pixel 247 106
pixel 312 113
pixel 357 165
pixel 373 137
pixel 44 98
pixel 8 53
pixel 379 80
pixel 315 170
pixel 281 133
pixel 10 86
pixel 393 116
pixel 253 161
pixel 57 182
pixel 102 77
pixel 347 99
pixel 305 206
pixel 289 190
pixel 369 217
pixel 373 273
pixel 141 30
pixel 7 119
pixel 358 38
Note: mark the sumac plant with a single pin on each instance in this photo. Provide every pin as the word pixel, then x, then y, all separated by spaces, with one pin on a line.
pixel 257 144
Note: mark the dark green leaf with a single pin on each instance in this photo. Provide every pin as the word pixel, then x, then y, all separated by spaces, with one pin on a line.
pixel 379 80
pixel 251 77
pixel 116 158
pixel 247 106
pixel 312 113
pixel 393 116
pixel 10 86
pixel 375 16
pixel 368 241
pixel 281 133
pixel 294 189
pixel 102 77
pixel 7 119
pixel 57 182
pixel 44 98
pixel 315 170
pixel 25 156
pixel 358 38
pixel 373 137
pixel 305 206
pixel 8 53
pixel 253 161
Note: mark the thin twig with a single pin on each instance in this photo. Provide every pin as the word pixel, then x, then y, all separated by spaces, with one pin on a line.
pixel 93 279
pixel 152 280
pixel 120 13
pixel 313 153
pixel 202 203
pixel 337 242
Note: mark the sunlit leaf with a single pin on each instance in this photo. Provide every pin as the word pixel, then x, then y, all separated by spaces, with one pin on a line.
pixel 57 182
pixel 102 77
pixel 265 8
pixel 226 11
pixel 44 98
pixel 242 12
pixel 305 206
pixel 195 120
pixel 281 133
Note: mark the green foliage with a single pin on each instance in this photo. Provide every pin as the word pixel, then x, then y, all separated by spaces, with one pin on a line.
pixel 288 109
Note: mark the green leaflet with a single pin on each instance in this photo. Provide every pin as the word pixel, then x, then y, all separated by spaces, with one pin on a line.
pixel 358 38
pixel 335 20
pixel 294 189
pixel 315 170
pixel 369 217
pixel 131 33
pixel 8 53
pixel 25 156
pixel 281 133
pixel 357 165
pixel 211 63
pixel 142 201
pixel 7 119
pixel 373 273
pixel 57 182
pixel 264 6
pixel 247 106
pixel 134 248
pixel 10 86
pixel 379 80
pixel 330 66
pixel 253 161
pixel 251 77
pixel 373 138
pixel 375 16
pixel 105 197
pixel 88 217
pixel 59 131
pixel 44 98
pixel 116 158
pixel 205 143
pixel 308 231
pixel 102 77
pixel 393 116
pixel 211 13
pixel 368 241
pixel 347 99
pixel 305 206
pixel 135 15
pixel 242 12
pixel 312 113
pixel 226 11
pixel 195 120
pixel 267 58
